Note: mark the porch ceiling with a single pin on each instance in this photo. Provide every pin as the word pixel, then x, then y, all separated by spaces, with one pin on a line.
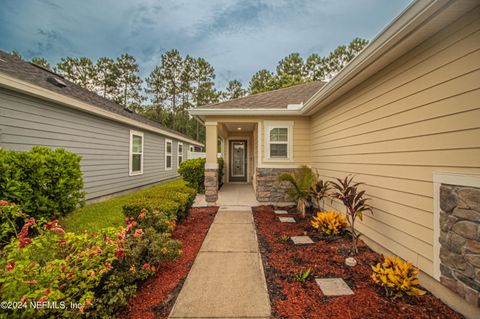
pixel 239 127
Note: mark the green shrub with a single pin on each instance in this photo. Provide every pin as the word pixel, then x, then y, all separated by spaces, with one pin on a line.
pixel 193 171
pixel 99 271
pixel 134 207
pixel 221 167
pixel 55 267
pixel 142 257
pixel 11 220
pixel 45 183
pixel 178 192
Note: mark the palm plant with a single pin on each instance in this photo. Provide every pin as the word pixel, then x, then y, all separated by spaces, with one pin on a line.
pixel 320 190
pixel 300 191
pixel 355 202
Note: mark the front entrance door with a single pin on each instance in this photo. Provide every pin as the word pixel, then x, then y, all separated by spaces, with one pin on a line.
pixel 238 161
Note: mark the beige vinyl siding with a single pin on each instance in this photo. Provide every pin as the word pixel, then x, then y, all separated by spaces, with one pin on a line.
pixel 418 116
pixel 301 139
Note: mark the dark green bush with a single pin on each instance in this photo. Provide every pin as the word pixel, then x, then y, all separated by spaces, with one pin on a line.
pixel 193 172
pixel 221 167
pixel 44 182
pixel 11 221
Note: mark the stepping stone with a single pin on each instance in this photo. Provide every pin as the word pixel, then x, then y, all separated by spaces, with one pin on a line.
pixel 334 286
pixel 287 219
pixel 281 212
pixel 301 240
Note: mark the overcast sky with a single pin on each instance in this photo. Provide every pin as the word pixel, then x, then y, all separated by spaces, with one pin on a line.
pixel 238 37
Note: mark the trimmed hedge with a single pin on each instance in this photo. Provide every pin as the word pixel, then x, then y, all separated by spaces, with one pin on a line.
pixel 173 200
pixel 45 183
pixel 193 171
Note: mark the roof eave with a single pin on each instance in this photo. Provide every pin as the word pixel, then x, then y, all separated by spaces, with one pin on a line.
pixel 30 89
pixel 243 112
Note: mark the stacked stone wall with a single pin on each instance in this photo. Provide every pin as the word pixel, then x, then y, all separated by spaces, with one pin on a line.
pixel 460 241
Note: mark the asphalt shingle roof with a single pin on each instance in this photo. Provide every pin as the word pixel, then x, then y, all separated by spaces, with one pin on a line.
pixel 36 75
pixel 277 99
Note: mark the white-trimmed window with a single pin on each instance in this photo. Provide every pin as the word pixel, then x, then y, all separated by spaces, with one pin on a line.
pixel 168 154
pixel 279 138
pixel 136 153
pixel 180 153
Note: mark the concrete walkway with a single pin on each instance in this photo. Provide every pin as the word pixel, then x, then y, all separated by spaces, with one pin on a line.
pixel 232 197
pixel 227 278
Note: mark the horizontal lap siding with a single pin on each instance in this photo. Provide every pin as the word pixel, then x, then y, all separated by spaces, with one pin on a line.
pixel 102 144
pixel 418 116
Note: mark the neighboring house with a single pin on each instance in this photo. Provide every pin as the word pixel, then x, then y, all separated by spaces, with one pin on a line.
pixel 402 117
pixel 120 150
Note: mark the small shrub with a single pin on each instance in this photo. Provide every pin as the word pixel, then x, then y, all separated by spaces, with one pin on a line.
pixel 320 190
pixel 54 266
pixel 134 207
pixel 355 202
pixel 301 189
pixel 11 221
pixel 398 277
pixel 302 276
pixel 142 256
pixel 329 223
pixel 193 172
pixel 221 168
pixel 45 183
pixel 99 271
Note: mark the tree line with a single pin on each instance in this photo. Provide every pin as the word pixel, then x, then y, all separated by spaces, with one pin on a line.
pixel 179 83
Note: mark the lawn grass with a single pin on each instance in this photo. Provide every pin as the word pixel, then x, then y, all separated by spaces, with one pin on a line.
pixel 109 213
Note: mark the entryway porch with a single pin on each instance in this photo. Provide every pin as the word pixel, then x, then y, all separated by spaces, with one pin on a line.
pixel 232 196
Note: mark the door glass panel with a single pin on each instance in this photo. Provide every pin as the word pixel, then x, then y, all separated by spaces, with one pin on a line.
pixel 238 158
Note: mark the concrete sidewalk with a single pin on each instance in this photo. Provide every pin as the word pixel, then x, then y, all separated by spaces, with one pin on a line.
pixel 227 278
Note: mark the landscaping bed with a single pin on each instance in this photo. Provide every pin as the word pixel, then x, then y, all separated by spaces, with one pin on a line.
pixel 155 297
pixel 294 299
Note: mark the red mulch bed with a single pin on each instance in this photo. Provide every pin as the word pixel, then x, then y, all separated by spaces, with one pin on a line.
pixel 155 297
pixel 293 299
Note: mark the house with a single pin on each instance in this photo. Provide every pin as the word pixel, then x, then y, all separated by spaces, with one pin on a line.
pixel 120 149
pixel 404 118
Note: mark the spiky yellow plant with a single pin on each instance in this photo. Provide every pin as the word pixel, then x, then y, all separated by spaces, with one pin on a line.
pixel 329 223
pixel 398 277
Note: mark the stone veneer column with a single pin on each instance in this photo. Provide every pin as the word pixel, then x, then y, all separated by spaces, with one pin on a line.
pixel 211 185
pixel 460 241
pixel 211 164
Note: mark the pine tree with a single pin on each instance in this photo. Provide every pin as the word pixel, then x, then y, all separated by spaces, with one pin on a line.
pixel 105 76
pixel 41 62
pixel 128 83
pixel 290 70
pixel 171 64
pixel 187 78
pixel 156 88
pixel 262 81
pixel 203 91
pixel 78 70
pixel 315 68
pixel 234 90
